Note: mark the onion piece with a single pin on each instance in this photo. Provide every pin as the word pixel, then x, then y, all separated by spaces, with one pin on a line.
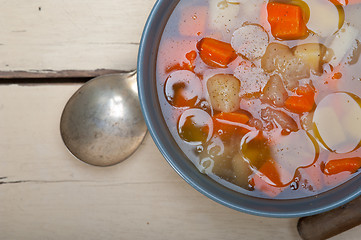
pixel 250 41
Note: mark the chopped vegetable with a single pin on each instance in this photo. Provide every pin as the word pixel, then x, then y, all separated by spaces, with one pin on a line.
pixel 342 42
pixel 311 54
pixel 286 21
pixel 250 41
pixel 341 165
pixel 223 90
pixel 232 118
pixel 216 53
pixel 299 104
pixel 274 91
pixel 242 170
pixel 221 154
pixel 325 18
pixel 279 118
pixel 223 16
pixel 260 183
pixel 340 112
pixel 279 58
pixel 270 170
pixel 227 124
pixel 304 102
pixel 252 78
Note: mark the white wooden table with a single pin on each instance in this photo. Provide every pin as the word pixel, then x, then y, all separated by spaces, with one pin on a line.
pixel 47 194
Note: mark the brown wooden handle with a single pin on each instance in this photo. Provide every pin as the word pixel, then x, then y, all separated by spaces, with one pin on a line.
pixel 331 223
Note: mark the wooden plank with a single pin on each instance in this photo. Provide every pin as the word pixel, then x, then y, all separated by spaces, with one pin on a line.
pixel 47 194
pixel 70 34
pixel 13 75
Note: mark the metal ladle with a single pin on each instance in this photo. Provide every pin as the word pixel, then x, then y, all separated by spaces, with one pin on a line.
pixel 102 123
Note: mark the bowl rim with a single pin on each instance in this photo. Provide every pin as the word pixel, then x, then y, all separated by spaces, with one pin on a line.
pixel 147 52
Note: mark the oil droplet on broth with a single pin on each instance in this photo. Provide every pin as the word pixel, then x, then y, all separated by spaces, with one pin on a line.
pixel 183 88
pixel 195 126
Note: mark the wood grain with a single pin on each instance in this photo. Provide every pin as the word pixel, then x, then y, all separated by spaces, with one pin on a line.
pixel 41 35
pixel 47 194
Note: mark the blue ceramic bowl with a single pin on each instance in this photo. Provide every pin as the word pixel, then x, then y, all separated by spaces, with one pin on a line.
pixel 185 168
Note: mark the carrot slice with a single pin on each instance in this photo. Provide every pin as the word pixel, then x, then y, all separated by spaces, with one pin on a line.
pixel 269 182
pixel 216 53
pixel 226 124
pixel 343 165
pixel 299 104
pixel 286 21
pixel 304 102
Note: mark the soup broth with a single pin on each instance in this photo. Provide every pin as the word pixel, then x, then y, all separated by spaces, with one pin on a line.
pixel 264 96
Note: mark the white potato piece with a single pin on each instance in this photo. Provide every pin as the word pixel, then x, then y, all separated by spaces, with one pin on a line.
pixel 281 59
pixel 324 17
pixel 280 119
pixel 250 41
pixel 223 16
pixel 252 78
pixel 312 54
pixel 337 122
pixel 274 91
pixel 242 170
pixel 223 90
pixel 342 43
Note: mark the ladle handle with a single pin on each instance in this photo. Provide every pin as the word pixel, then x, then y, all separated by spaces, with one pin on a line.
pixel 331 223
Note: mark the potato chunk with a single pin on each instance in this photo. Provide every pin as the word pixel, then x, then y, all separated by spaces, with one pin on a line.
pixel 242 170
pixel 279 118
pixel 250 41
pixel 223 90
pixel 253 79
pixel 312 54
pixel 274 91
pixel 280 58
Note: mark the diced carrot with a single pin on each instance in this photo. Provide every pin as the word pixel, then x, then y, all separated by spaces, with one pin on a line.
pixel 180 101
pixel 216 53
pixel 345 2
pixel 269 169
pixel 232 117
pixel 269 181
pixel 304 102
pixel 299 104
pixel 260 184
pixel 343 165
pixel 306 91
pixel 193 21
pixel 226 124
pixel 191 56
pixel 286 21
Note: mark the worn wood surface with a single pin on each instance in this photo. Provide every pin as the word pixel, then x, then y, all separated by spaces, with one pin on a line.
pixel 39 36
pixel 47 194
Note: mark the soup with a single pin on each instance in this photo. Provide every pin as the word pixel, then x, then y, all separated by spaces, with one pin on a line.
pixel 264 96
